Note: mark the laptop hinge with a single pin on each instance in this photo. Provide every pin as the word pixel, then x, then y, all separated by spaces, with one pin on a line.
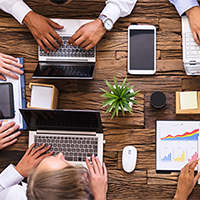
pixel 66 60
pixel 193 62
pixel 66 132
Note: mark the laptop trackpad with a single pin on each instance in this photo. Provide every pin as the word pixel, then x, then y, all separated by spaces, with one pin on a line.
pixel 70 26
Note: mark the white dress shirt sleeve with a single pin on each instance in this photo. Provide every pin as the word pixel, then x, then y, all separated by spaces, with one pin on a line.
pixel 9 177
pixel 17 8
pixel 184 5
pixel 115 9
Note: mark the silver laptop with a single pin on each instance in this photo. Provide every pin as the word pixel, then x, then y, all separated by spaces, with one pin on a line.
pixel 67 62
pixel 76 133
pixel 191 50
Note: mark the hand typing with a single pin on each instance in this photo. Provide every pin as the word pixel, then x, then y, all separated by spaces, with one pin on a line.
pixel 88 35
pixel 98 178
pixel 43 32
pixel 32 158
pixel 194 20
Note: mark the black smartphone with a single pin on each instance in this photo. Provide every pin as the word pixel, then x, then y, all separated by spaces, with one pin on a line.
pixel 6 101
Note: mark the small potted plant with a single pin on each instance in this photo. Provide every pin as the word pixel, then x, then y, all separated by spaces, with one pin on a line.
pixel 120 97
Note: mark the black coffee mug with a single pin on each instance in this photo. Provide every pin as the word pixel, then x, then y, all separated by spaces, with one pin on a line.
pixel 158 99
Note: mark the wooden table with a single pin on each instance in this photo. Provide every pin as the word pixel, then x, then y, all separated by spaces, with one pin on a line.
pixel 137 130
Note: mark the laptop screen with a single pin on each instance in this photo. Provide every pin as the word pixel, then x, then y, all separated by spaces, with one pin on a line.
pixel 74 120
pixel 64 70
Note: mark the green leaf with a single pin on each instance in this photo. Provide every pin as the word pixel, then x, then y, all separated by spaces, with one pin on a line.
pixel 108 101
pixel 116 110
pixel 116 85
pixel 122 107
pixel 133 101
pixel 111 107
pixel 112 88
pixel 126 105
pixel 128 90
pixel 110 96
pixel 113 114
pixel 130 95
pixel 105 90
pixel 124 82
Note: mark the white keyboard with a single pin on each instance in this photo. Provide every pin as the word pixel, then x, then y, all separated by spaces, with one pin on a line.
pixel 192 48
pixel 193 70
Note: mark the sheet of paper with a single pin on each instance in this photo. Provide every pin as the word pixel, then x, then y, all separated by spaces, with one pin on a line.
pixel 176 144
pixel 188 100
pixel 41 96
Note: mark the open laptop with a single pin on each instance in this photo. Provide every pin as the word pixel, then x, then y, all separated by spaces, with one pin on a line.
pixel 191 50
pixel 76 133
pixel 67 62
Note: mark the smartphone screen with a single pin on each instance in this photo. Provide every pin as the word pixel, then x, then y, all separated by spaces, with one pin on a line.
pixel 142 50
pixel 6 101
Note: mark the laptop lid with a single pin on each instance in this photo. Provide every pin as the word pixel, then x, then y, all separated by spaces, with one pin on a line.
pixel 72 120
pixel 63 70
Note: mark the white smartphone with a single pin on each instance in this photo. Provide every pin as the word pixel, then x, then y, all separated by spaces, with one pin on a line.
pixel 142 49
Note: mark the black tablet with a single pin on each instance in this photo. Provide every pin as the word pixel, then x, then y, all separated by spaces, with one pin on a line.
pixel 6 101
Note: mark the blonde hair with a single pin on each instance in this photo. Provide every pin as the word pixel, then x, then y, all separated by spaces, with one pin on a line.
pixel 70 182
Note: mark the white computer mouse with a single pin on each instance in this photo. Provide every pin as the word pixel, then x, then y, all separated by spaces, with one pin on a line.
pixel 129 158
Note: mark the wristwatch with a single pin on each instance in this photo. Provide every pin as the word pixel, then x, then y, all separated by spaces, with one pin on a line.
pixel 107 22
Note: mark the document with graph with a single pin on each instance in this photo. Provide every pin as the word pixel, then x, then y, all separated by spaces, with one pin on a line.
pixel 176 144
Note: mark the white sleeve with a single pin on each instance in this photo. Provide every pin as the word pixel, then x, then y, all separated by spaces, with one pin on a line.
pixel 17 8
pixel 9 177
pixel 115 9
pixel 183 5
pixel 16 192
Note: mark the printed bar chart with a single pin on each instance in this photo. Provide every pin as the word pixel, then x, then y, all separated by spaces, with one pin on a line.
pixel 180 159
pixel 167 158
pixel 194 157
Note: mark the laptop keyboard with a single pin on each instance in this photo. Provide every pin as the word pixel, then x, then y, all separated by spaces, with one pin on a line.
pixel 192 48
pixel 74 148
pixel 66 50
pixel 194 69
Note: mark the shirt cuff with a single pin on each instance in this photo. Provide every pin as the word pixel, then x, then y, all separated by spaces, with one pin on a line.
pixel 114 15
pixel 19 11
pixel 183 7
pixel 9 177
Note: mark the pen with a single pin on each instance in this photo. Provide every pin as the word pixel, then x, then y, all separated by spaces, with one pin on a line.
pixel 198 148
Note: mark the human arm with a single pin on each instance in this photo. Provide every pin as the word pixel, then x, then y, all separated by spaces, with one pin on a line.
pixel 192 10
pixel 98 178
pixel 186 181
pixel 12 175
pixel 88 35
pixel 7 137
pixel 194 20
pixel 42 30
pixel 32 158
pixel 17 8
pixel 40 27
pixel 8 65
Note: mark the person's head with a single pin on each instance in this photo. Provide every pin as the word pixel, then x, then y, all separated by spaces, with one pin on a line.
pixel 59 2
pixel 56 178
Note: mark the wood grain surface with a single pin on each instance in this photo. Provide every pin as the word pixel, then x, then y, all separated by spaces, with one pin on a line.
pixel 137 129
